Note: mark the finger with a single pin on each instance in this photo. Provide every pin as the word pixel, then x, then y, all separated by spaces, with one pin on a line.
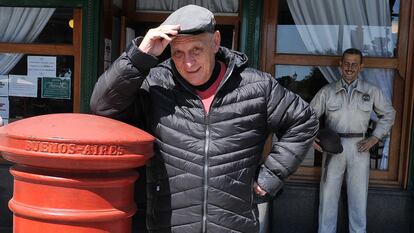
pixel 317 147
pixel 260 191
pixel 171 30
pixel 360 143
pixel 166 38
pixel 363 148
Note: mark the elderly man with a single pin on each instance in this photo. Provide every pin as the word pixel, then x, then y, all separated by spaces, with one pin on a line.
pixel 211 115
pixel 347 105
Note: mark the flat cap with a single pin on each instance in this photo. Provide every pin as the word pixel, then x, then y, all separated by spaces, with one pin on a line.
pixel 330 141
pixel 192 19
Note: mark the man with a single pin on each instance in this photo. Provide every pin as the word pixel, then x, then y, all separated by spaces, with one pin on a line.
pixel 211 115
pixel 347 105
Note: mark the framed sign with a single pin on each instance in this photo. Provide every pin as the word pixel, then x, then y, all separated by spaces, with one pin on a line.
pixel 56 88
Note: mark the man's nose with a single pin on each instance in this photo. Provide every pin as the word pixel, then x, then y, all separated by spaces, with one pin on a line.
pixel 189 60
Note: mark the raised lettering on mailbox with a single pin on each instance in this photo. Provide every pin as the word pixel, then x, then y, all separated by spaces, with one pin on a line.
pixel 70 148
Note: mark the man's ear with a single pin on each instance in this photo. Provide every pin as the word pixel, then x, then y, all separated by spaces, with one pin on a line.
pixel 361 66
pixel 217 41
pixel 340 63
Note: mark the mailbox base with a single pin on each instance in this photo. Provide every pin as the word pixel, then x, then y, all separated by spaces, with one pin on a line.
pixel 50 201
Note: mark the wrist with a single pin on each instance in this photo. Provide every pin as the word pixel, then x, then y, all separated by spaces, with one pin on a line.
pixel 374 138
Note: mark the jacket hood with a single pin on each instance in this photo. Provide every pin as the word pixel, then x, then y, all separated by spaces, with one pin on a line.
pixel 228 56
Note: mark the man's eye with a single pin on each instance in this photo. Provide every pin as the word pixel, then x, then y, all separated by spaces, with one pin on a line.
pixel 178 54
pixel 196 51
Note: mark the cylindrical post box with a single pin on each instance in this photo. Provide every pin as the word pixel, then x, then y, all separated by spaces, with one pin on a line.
pixel 73 172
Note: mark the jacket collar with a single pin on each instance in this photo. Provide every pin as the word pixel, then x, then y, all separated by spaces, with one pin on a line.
pixel 360 87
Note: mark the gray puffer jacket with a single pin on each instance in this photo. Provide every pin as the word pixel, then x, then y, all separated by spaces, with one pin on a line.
pixel 201 177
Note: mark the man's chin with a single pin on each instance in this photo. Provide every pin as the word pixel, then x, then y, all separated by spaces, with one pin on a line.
pixel 194 80
pixel 350 79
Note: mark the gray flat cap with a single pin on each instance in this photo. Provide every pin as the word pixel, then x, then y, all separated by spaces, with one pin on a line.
pixel 192 19
pixel 330 141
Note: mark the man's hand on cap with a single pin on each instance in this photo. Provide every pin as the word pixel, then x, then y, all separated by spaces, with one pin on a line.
pixel 157 39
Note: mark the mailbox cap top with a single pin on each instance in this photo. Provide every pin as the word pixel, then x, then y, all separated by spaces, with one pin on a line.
pixel 74 141
pixel 78 127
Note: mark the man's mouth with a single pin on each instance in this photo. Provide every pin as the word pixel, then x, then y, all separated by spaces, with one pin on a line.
pixel 193 71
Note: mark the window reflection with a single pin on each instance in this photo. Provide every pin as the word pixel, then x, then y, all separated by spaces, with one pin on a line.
pixel 23 95
pixel 58 29
pixel 306 81
pixel 330 27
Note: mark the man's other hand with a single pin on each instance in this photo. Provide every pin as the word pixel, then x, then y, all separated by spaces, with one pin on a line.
pixel 366 144
pixel 258 190
pixel 316 145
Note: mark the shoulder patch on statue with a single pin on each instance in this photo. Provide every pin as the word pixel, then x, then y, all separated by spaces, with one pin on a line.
pixel 366 97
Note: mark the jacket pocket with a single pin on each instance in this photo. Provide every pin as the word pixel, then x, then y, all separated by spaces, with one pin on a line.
pixel 333 107
pixel 365 106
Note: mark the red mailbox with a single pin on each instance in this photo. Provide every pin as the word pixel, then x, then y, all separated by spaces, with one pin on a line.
pixel 74 172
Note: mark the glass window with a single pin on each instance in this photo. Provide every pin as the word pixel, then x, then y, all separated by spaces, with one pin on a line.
pixel 216 6
pixel 329 27
pixel 59 28
pixel 118 3
pixel 303 80
pixel 37 85
pixel 36 25
pixel 306 81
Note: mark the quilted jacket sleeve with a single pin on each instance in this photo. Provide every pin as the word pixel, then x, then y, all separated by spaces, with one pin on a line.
pixel 118 87
pixel 295 124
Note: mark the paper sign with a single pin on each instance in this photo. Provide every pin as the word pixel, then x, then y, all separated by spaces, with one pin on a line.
pixel 4 107
pixel 22 85
pixel 56 88
pixel 4 85
pixel 41 66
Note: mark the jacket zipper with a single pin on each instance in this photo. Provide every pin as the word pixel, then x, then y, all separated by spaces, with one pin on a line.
pixel 206 164
pixel 207 134
pixel 205 172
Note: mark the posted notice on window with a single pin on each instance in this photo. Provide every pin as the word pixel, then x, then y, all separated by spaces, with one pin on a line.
pixel 22 85
pixel 56 88
pixel 4 107
pixel 41 66
pixel 4 85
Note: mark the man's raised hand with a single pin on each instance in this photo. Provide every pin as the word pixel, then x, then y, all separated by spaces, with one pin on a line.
pixel 157 39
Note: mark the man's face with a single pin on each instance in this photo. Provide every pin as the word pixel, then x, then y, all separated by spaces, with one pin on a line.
pixel 350 67
pixel 194 56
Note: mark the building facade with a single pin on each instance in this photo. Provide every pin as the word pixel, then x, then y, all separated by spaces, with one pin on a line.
pixel 52 51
